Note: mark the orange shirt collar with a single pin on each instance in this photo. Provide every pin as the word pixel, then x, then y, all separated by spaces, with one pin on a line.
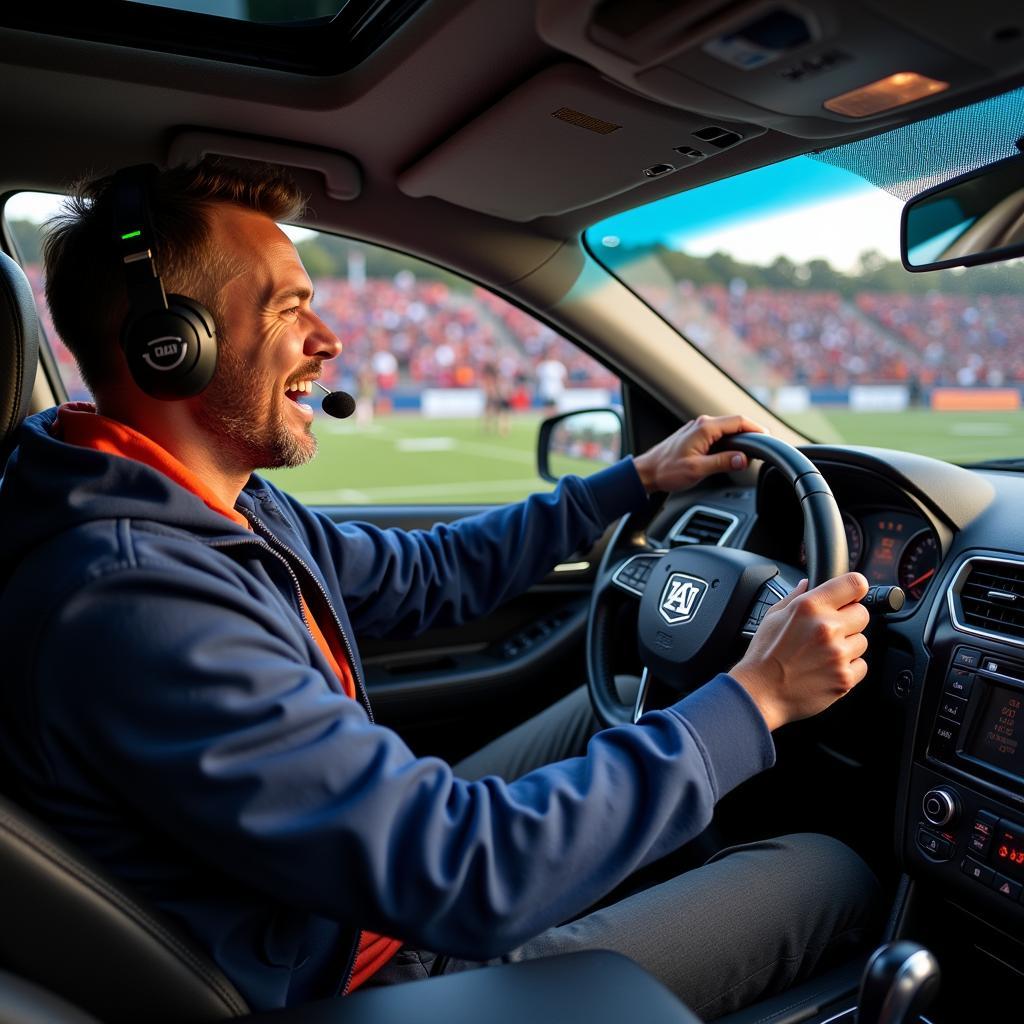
pixel 79 423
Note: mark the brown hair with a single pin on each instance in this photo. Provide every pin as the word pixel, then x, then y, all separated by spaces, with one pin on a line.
pixel 85 285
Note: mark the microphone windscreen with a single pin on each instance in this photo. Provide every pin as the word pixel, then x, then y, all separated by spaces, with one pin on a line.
pixel 339 404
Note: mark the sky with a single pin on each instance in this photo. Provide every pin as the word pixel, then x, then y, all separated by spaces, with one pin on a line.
pixel 800 208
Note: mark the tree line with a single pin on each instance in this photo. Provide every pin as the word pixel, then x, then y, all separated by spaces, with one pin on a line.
pixel 873 272
pixel 327 255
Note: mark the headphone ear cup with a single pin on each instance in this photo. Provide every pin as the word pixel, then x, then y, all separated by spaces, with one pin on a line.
pixel 171 353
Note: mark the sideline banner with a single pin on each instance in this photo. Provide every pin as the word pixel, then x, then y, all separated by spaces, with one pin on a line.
pixel 975 399
pixel 452 402
pixel 879 397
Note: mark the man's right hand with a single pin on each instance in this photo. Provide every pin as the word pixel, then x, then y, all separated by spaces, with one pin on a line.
pixel 807 652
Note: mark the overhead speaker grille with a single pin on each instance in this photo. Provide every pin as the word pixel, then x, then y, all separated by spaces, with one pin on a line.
pixel 581 120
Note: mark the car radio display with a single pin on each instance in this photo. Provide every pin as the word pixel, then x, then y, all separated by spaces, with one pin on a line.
pixel 997 735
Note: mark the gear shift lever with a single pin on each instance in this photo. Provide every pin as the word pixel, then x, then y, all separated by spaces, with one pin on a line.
pixel 899 982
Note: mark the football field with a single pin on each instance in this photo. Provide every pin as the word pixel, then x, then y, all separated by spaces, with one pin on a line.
pixel 408 459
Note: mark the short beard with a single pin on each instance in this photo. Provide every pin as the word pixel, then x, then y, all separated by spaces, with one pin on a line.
pixel 257 438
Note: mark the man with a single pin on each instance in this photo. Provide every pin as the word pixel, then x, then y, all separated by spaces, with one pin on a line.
pixel 186 703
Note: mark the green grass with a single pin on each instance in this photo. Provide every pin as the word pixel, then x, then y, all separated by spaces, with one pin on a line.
pixel 954 436
pixel 407 459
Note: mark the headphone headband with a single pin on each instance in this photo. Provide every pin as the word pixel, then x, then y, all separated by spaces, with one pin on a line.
pixel 170 342
pixel 133 238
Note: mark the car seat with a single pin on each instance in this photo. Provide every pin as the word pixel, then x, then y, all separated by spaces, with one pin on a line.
pixel 70 934
pixel 66 924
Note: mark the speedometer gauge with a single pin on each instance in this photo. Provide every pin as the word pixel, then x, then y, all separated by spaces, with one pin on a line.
pixel 854 539
pixel 918 564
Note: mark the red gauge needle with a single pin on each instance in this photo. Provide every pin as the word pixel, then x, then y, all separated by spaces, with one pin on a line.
pixel 920 579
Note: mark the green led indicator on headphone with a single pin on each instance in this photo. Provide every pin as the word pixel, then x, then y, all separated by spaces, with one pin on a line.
pixel 131 234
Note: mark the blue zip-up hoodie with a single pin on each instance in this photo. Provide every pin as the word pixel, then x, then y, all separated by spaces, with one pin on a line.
pixel 165 707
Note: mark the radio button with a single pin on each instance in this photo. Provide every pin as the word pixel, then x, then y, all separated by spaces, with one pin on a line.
pixel 981 833
pixel 944 738
pixel 967 657
pixel 1006 887
pixel 979 872
pixel 959 682
pixel 935 846
pixel 952 708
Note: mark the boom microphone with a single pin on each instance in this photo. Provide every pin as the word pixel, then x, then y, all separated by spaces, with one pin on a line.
pixel 338 404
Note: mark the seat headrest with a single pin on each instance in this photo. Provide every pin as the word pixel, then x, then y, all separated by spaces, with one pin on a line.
pixel 19 347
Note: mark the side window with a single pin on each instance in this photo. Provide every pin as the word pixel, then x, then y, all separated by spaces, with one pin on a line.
pixel 25 214
pixel 450 380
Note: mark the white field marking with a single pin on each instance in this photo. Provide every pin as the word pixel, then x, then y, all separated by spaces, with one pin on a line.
pixel 348 496
pixel 981 429
pixel 494 451
pixel 425 444
pixel 333 426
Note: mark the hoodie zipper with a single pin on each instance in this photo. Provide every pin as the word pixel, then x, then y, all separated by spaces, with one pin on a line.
pixel 262 542
pixel 273 541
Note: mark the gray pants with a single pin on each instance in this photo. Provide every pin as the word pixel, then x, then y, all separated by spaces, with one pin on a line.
pixel 747 924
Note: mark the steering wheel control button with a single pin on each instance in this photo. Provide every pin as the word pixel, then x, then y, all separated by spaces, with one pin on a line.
pixel 940 806
pixel 966 657
pixel 634 573
pixel 1006 887
pixel 765 599
pixel 959 682
pixel 976 870
pixel 935 846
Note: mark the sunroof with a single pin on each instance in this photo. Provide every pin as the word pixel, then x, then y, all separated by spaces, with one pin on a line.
pixel 313 37
pixel 275 12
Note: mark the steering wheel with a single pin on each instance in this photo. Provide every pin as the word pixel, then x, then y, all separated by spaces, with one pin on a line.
pixel 696 602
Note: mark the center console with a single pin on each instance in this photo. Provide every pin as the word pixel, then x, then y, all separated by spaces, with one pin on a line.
pixel 965 809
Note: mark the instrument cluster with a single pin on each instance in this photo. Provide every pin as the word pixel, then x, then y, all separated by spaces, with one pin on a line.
pixel 891 548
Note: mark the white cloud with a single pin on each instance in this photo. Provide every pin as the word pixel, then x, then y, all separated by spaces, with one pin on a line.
pixel 837 230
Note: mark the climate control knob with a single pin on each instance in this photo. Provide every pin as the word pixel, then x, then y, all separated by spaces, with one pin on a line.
pixel 940 806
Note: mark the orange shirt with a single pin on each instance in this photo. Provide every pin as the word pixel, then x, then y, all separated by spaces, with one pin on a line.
pixel 78 423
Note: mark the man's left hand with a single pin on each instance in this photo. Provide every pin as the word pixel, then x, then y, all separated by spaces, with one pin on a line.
pixel 682 460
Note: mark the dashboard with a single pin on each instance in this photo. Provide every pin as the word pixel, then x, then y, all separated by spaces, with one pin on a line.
pixel 947 670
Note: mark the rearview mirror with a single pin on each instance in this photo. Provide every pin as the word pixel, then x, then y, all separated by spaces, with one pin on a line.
pixel 976 218
pixel 579 442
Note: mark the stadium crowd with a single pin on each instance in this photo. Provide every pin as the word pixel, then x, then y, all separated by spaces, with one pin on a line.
pixel 404 333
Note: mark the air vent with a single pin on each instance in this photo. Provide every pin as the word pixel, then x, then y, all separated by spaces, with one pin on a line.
pixel 703 525
pixel 987 597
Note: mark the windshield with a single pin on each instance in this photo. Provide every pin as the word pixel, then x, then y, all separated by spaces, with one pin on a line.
pixel 789 278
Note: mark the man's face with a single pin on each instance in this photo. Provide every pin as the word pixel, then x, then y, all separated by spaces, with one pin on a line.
pixel 269 341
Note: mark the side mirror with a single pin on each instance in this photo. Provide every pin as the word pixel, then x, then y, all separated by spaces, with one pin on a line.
pixel 976 218
pixel 578 442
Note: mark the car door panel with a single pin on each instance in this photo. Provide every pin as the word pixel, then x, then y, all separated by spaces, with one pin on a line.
pixel 523 656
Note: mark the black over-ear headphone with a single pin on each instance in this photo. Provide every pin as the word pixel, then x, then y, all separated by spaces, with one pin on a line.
pixel 170 341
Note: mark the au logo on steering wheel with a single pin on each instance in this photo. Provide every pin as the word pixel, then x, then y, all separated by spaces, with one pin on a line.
pixel 681 598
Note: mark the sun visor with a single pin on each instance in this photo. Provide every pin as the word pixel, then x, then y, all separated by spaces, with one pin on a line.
pixel 564 139
pixel 342 176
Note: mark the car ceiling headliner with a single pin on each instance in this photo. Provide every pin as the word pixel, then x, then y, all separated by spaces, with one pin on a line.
pixel 65 112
